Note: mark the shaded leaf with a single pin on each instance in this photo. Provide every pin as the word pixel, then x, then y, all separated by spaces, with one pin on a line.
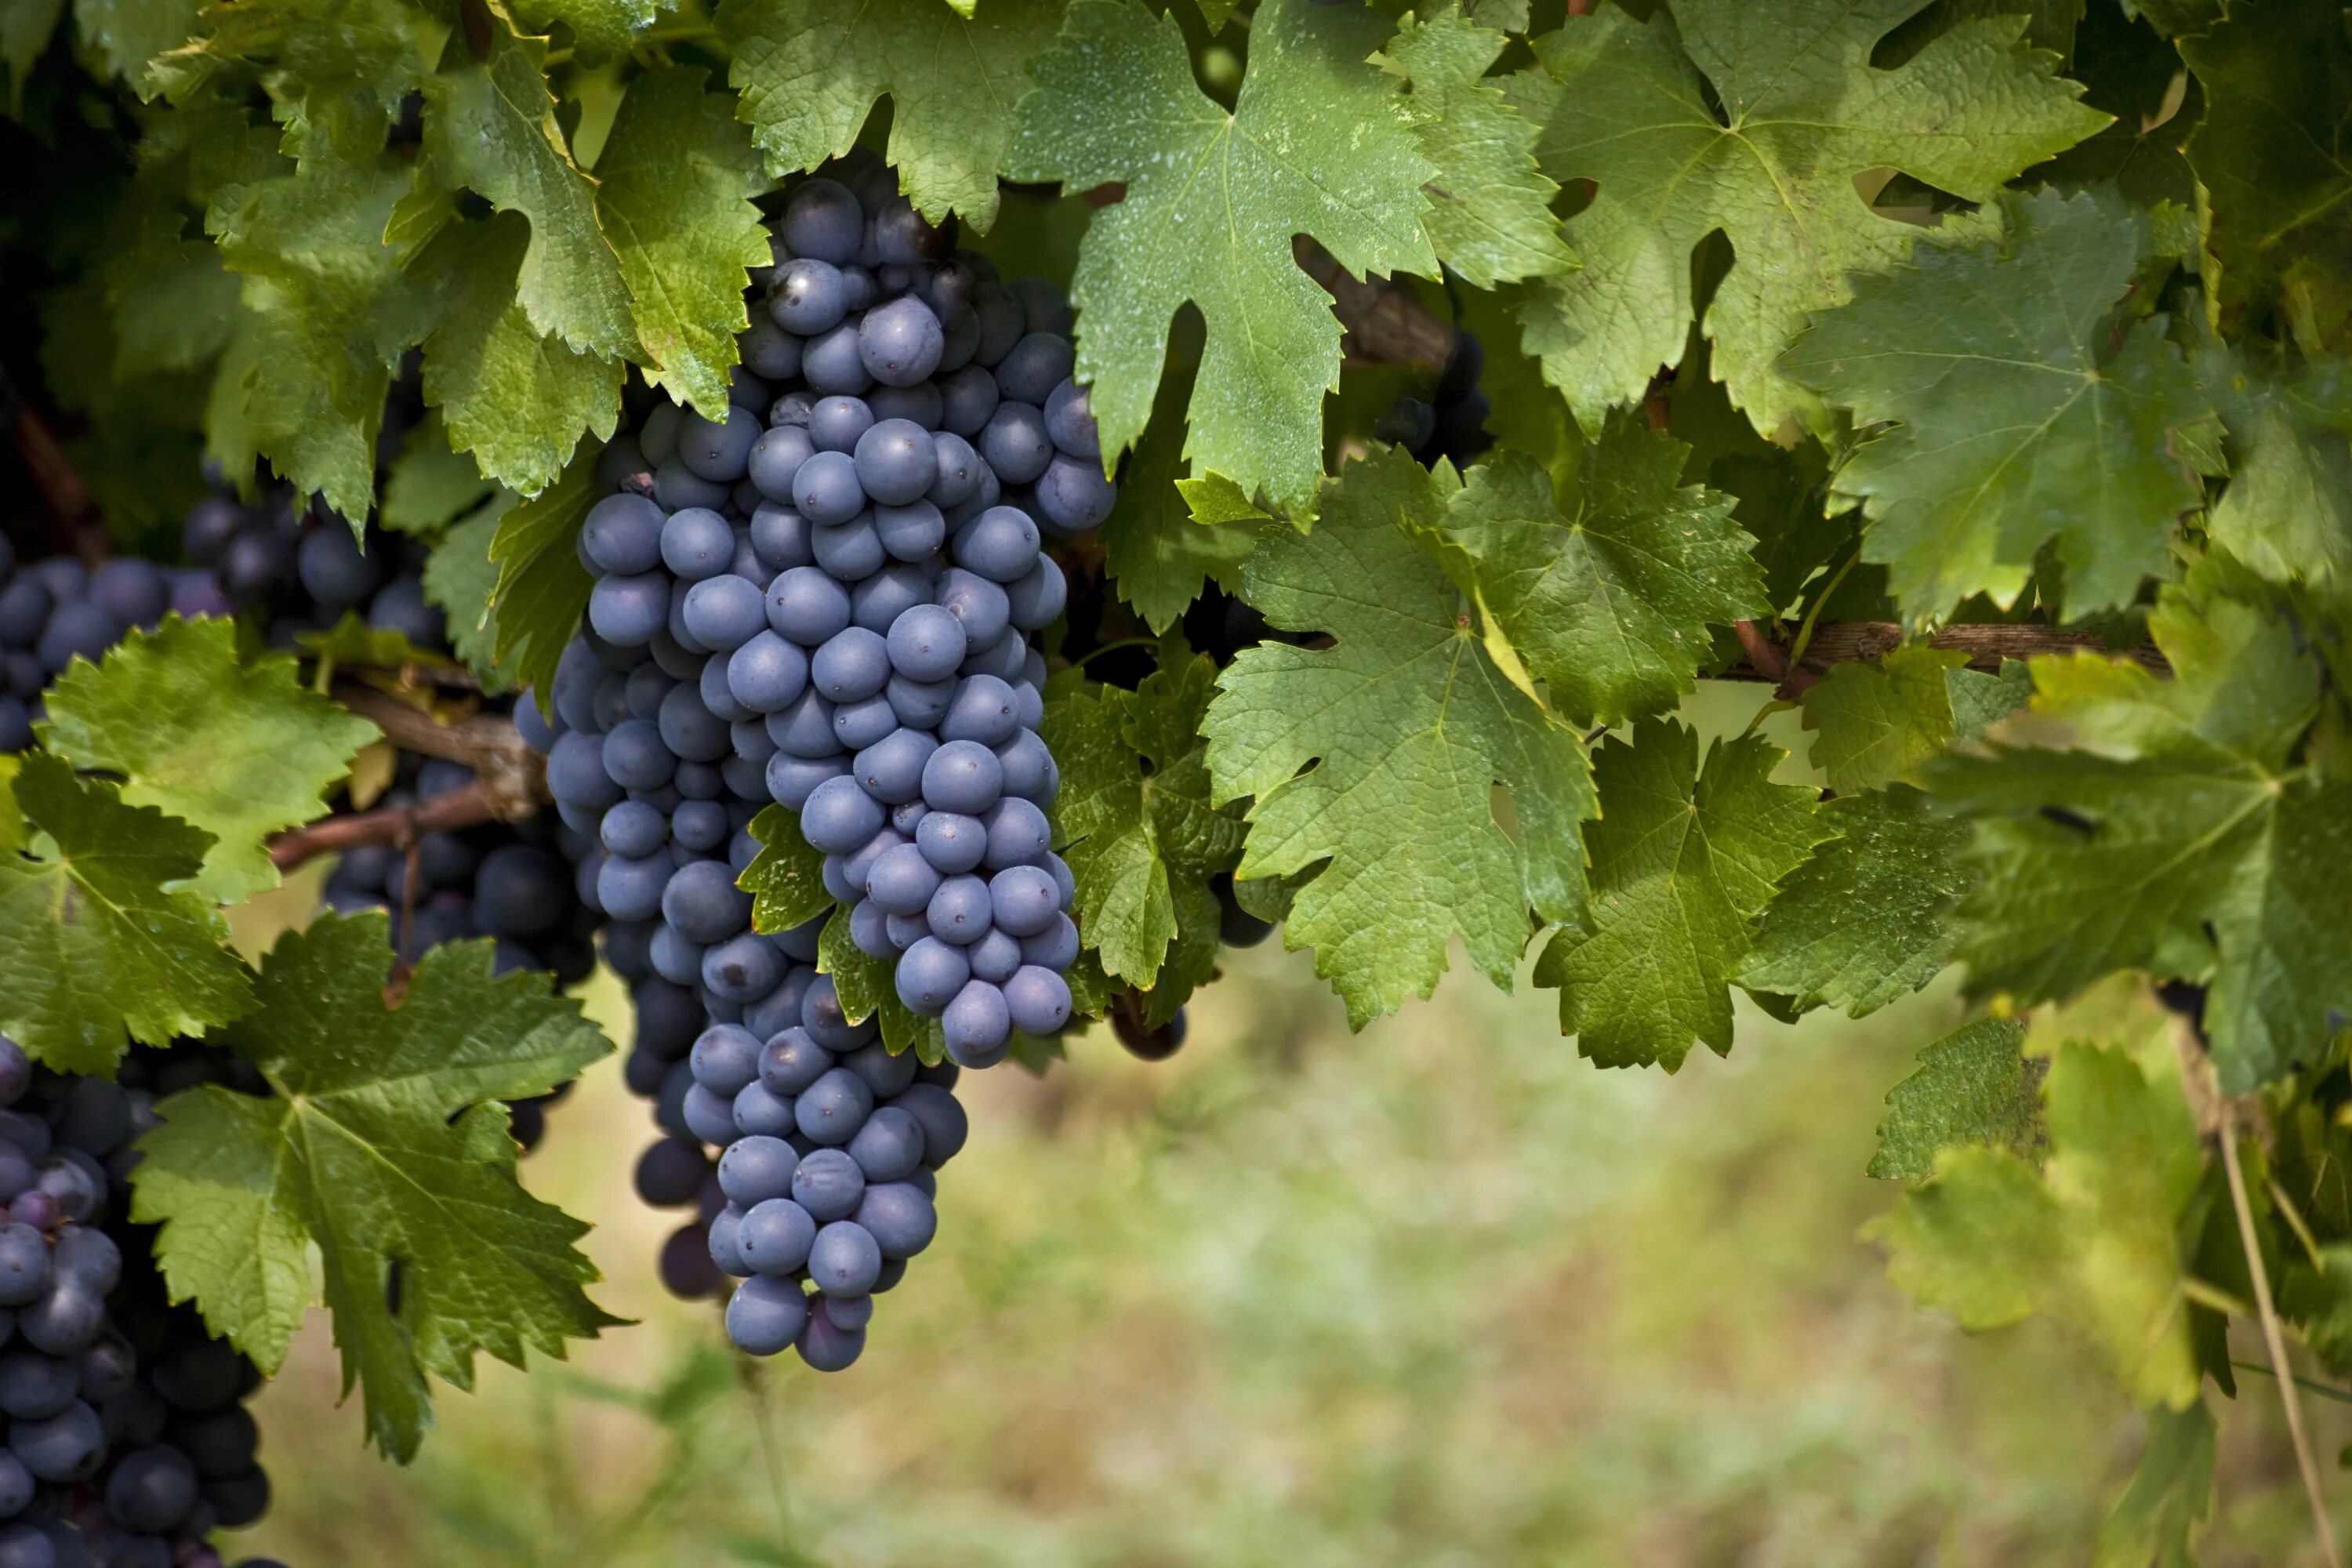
pixel 2022 416
pixel 1632 105
pixel 1868 920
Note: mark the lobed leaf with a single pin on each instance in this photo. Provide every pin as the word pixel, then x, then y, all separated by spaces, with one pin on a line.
pixel 1606 591
pixel 2023 417
pixel 1868 920
pixel 383 1148
pixel 1319 143
pixel 2090 1239
pixel 1972 1089
pixel 809 71
pixel 100 936
pixel 2131 823
pixel 1490 207
pixel 1408 724
pixel 238 748
pixel 1716 114
pixel 1684 858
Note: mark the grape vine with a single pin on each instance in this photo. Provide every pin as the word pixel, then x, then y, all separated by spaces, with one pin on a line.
pixel 905 529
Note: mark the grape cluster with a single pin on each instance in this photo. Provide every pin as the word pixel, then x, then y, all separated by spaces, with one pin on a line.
pixel 823 599
pixel 1453 423
pixel 127 1441
pixel 52 610
pixel 297 567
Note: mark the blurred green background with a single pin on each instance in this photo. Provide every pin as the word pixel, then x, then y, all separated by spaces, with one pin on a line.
pixel 1437 1294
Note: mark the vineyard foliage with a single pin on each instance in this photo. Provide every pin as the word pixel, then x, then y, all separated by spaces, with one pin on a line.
pixel 1973 382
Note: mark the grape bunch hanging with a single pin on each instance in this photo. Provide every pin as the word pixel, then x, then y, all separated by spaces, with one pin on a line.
pixel 823 599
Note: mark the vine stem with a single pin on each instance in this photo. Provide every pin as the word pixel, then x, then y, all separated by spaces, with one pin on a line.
pixel 78 528
pixel 1849 642
pixel 399 825
pixel 2274 1341
pixel 512 776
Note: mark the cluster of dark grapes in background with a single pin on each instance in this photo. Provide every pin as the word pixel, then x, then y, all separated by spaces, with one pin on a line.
pixel 52 610
pixel 127 1442
pixel 1452 424
pixel 823 600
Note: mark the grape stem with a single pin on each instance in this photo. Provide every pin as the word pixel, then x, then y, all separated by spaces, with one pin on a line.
pixel 399 825
pixel 510 780
pixel 1849 642
pixel 511 775
pixel 78 528
pixel 2274 1340
pixel 2217 1120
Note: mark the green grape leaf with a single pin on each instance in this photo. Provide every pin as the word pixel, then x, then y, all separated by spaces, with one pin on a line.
pixel 2090 1239
pixel 127 34
pixel 2270 157
pixel 786 877
pixel 1606 590
pixel 1318 143
pixel 1633 106
pixel 2170 1492
pixel 384 1153
pixel 2287 513
pixel 542 589
pixel 1490 207
pixel 1408 724
pixel 462 580
pixel 1866 921
pixel 2131 823
pixel 25 32
pixel 1684 858
pixel 1877 723
pixel 100 935
pixel 328 311
pixel 513 400
pixel 336 70
pixel 1214 499
pixel 1979 700
pixel 430 483
pixel 1972 1088
pixel 1133 814
pixel 1155 547
pixel 809 72
pixel 238 749
pixel 351 640
pixel 2022 415
pixel 674 190
pixel 490 123
pixel 2316 1298
pixel 174 302
pixel 600 28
